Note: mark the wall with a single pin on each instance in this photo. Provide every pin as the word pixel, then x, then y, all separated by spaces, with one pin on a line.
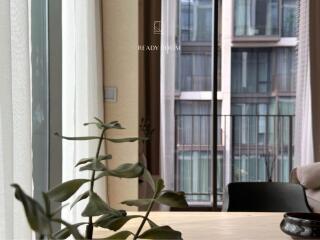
pixel 121 70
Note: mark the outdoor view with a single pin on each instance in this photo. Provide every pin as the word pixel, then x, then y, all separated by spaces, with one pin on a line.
pixel 256 95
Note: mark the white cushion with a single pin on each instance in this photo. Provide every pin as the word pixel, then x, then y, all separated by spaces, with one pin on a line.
pixel 313 197
pixel 309 176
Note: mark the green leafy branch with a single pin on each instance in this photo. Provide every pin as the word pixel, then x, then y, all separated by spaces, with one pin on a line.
pixel 41 218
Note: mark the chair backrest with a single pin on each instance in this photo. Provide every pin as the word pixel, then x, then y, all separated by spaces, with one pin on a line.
pixel 294 176
pixel 265 197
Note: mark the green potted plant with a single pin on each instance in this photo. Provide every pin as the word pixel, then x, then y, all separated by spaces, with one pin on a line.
pixel 41 218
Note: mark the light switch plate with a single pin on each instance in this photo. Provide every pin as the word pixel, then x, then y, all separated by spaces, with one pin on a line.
pixel 110 94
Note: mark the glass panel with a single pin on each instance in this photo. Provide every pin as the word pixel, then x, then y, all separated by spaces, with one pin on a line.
pixel 289 18
pixel 262 119
pixel 260 140
pixel 284 73
pixel 193 149
pixel 193 120
pixel 254 70
pixel 256 18
pixel 250 70
pixel 287 105
pixel 196 20
pixel 194 181
pixel 195 72
pixel 219 69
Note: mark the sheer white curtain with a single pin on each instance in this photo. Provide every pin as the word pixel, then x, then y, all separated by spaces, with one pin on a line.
pixel 82 86
pixel 15 116
pixel 304 148
pixel 167 88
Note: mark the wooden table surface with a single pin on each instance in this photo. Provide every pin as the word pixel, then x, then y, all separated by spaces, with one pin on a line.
pixel 215 225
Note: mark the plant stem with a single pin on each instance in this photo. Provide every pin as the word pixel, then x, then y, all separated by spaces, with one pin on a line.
pixel 89 228
pixel 145 218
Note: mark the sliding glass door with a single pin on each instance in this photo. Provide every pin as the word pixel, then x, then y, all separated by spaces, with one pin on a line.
pixel 194 102
pixel 234 102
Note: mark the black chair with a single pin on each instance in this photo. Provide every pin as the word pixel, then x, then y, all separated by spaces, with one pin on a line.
pixel 265 197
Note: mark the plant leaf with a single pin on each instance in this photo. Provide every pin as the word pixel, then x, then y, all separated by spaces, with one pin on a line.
pixel 80 198
pixel 95 207
pixel 84 161
pixel 114 213
pixel 137 203
pixel 159 187
pixel 104 157
pixel 37 219
pixel 127 170
pixel 151 223
pixel 149 179
pixel 114 222
pixel 122 140
pixel 98 125
pixel 78 138
pixel 65 190
pixel 99 120
pixel 67 231
pixel 94 166
pixel 163 232
pixel 119 236
pixel 72 229
pixel 113 125
pixel 58 209
pixel 87 160
pixel 64 233
pixel 173 199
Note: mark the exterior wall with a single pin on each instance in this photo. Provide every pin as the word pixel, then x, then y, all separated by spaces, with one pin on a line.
pixel 121 70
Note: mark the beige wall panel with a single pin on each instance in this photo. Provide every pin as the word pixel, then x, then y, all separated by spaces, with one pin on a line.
pixel 121 70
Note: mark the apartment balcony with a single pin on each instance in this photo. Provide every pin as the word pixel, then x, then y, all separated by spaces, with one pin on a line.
pixel 249 148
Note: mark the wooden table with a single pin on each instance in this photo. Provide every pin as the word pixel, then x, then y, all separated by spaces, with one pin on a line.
pixel 216 225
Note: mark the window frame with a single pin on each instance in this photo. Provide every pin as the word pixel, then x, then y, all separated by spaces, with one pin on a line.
pixel 46 64
pixel 40 96
pixel 55 90
pixel 46 59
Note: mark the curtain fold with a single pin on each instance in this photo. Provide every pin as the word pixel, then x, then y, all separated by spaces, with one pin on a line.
pixel 304 147
pixel 15 116
pixel 82 87
pixel 167 88
pixel 315 73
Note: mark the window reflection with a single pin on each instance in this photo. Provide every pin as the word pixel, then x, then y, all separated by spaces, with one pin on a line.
pixel 263 70
pixel 196 20
pixel 196 72
pixel 256 17
pixel 289 19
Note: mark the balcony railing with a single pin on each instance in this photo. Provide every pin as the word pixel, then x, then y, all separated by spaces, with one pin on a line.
pixel 249 148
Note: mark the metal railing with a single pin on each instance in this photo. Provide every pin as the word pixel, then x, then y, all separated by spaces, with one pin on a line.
pixel 249 148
